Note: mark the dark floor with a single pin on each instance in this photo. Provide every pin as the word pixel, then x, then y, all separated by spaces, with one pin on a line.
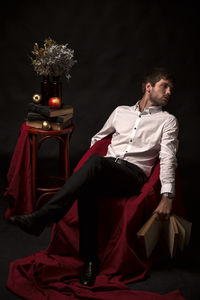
pixel 182 273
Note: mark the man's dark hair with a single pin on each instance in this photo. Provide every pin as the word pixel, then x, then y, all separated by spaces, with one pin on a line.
pixel 156 74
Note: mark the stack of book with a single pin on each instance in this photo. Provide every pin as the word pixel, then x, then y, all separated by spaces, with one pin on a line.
pixel 175 232
pixel 58 118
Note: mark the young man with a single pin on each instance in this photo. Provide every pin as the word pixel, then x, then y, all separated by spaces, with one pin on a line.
pixel 140 135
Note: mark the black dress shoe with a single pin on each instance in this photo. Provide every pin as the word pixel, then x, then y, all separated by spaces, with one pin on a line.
pixel 89 273
pixel 28 223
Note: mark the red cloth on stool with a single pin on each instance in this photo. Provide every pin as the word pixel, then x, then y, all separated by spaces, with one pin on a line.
pixel 18 192
pixel 54 273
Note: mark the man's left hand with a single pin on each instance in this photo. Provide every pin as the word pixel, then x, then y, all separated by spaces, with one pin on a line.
pixel 164 208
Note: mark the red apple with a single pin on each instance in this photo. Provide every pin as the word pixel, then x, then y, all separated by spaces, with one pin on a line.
pixel 54 102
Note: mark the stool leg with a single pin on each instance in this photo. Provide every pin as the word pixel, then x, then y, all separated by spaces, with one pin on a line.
pixel 34 166
pixel 66 156
pixel 62 156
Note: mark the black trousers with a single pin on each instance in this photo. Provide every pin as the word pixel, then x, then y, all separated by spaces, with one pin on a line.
pixel 98 177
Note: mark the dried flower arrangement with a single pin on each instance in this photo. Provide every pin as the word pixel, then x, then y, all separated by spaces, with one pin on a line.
pixel 52 59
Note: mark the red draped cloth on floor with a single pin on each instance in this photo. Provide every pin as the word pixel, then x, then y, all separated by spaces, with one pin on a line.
pixel 54 273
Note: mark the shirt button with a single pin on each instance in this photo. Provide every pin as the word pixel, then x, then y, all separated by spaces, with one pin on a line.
pixel 131 141
pixel 135 128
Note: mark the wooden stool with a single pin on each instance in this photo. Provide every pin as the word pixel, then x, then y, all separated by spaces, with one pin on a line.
pixel 52 183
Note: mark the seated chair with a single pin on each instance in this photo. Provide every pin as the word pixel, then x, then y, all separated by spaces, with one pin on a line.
pixel 56 270
pixel 119 221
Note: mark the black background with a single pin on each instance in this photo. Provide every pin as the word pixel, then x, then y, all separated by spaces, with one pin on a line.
pixel 114 42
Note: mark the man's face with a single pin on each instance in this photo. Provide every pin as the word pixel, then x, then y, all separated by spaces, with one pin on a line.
pixel 159 93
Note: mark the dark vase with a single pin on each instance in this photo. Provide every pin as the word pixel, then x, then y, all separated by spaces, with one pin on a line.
pixel 56 87
pixel 45 90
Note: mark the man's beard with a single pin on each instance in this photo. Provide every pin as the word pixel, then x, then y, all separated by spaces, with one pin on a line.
pixel 155 101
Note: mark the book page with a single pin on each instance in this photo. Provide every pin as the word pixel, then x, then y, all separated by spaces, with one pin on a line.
pixel 146 225
pixel 149 234
pixel 181 238
pixel 171 234
pixel 152 236
pixel 187 226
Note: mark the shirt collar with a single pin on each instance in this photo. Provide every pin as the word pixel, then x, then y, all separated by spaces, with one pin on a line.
pixel 150 109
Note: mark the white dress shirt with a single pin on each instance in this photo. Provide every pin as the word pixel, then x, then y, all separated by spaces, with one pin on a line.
pixel 143 137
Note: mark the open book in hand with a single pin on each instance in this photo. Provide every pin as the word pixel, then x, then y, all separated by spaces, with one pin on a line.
pixel 175 231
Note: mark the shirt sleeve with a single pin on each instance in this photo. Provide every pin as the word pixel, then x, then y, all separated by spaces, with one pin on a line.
pixel 168 160
pixel 107 129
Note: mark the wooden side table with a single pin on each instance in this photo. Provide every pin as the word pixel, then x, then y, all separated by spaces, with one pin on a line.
pixel 52 183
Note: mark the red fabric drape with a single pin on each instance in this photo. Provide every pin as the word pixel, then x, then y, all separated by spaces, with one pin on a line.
pixel 54 273
pixel 18 192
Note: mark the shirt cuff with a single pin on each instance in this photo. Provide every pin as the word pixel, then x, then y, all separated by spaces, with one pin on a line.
pixel 168 188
